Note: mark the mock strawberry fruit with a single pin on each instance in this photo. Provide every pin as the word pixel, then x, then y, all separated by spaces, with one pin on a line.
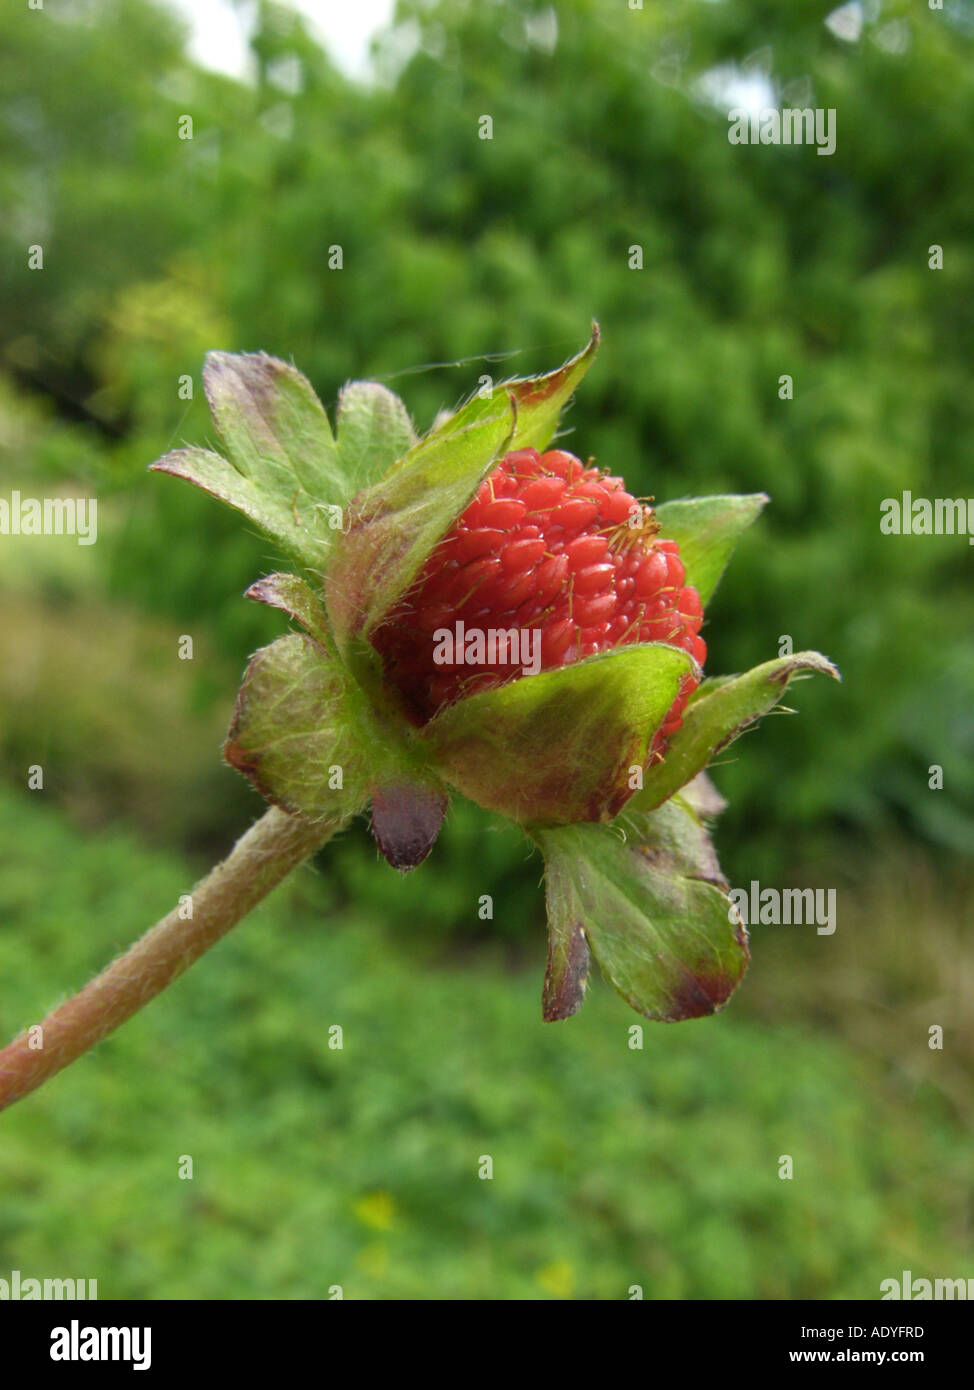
pixel 552 569
pixel 560 555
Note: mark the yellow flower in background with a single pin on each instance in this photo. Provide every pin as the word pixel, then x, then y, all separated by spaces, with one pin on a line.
pixel 558 1279
pixel 377 1210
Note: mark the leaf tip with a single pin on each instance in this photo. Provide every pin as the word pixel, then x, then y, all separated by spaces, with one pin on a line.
pixel 168 463
pixel 704 994
pixel 813 663
pixel 566 975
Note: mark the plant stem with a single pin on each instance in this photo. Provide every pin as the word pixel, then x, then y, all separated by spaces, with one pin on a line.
pixel 257 863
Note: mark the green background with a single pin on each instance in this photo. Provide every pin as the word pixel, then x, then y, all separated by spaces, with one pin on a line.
pixel 614 1165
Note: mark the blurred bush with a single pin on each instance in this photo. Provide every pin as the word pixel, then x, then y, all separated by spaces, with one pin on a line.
pixel 614 1166
pixel 758 262
pixel 313 1166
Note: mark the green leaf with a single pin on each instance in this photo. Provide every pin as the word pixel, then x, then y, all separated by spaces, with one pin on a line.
pixel 295 597
pixel 560 746
pixel 374 430
pixel 298 733
pixel 273 425
pixel 722 710
pixel 541 400
pixel 284 471
pixel 397 522
pixel 298 531
pixel 707 530
pixel 648 896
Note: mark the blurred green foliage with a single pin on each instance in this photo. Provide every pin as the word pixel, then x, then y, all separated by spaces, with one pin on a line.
pixel 613 1166
pixel 461 257
pixel 758 262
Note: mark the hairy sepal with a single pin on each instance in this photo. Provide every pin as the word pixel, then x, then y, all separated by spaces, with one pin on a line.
pixel 284 469
pixel 647 897
pixel 718 713
pixel 566 745
pixel 707 530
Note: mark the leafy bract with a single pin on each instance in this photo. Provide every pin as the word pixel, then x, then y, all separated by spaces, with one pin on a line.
pixel 374 430
pixel 540 400
pixel 304 735
pixel 564 745
pixel 298 733
pixel 647 896
pixel 707 529
pixel 395 524
pixel 295 597
pixel 284 469
pixel 720 711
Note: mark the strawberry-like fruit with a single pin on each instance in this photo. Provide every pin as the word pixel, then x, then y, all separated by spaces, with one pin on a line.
pixel 550 544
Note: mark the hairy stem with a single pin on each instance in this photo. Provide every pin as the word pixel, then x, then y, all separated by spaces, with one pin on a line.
pixel 257 863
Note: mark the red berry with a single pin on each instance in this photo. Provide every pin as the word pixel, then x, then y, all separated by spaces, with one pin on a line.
pixel 546 544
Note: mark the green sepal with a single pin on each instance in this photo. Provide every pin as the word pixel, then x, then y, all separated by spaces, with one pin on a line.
pixel 560 746
pixel 300 732
pixel 397 522
pixel 649 899
pixel 295 597
pixel 374 430
pixel 539 401
pixel 707 530
pixel 720 710
pixel 284 469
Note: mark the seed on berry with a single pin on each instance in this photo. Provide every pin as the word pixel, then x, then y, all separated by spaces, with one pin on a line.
pixel 543 493
pixel 593 578
pixel 484 541
pixel 505 513
pixel 556 639
pixel 593 610
pixel 521 555
pixel 575 513
pixel 587 550
pixel 618 507
pixel 565 465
